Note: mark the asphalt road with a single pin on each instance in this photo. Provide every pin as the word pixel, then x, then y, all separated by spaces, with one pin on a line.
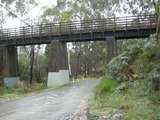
pixel 60 104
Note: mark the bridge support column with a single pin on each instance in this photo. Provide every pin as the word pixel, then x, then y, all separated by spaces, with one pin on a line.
pixel 58 71
pixel 2 48
pixel 111 48
pixel 9 65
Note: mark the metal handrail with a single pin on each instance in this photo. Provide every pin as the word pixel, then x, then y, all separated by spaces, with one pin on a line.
pixel 108 24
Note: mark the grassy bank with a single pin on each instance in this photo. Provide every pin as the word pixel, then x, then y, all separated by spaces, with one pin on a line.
pixel 132 98
pixel 132 84
pixel 19 92
pixel 14 93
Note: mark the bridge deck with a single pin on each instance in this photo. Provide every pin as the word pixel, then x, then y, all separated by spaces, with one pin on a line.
pixel 86 30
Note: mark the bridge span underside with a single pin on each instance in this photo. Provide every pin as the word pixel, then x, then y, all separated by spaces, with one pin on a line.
pixel 79 37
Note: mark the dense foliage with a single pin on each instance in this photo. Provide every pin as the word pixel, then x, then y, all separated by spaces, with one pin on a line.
pixel 40 66
pixel 132 83
pixel 139 59
pixel 131 98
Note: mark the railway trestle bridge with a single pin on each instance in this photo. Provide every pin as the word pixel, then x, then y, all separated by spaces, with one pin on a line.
pixel 58 34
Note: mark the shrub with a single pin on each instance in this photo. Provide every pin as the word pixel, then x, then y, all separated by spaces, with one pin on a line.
pixel 138 60
pixel 151 52
pixel 117 65
pixel 106 85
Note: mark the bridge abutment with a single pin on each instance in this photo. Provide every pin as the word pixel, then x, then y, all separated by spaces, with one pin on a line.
pixel 111 47
pixel 9 65
pixel 58 70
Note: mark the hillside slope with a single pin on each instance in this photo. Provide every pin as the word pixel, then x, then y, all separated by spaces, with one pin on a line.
pixel 130 89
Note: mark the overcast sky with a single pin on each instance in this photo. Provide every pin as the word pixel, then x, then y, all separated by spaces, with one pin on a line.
pixel 33 14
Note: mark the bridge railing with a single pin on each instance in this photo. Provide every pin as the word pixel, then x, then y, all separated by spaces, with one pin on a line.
pixel 83 26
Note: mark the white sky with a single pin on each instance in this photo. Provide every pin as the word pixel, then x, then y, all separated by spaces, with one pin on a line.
pixel 33 14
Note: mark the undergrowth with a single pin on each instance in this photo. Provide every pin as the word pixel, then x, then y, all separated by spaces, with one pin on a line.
pixel 12 93
pixel 132 83
pixel 106 85
pixel 133 99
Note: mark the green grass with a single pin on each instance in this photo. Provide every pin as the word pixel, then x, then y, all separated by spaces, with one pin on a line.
pixel 14 93
pixel 18 92
pixel 106 85
pixel 81 77
pixel 131 97
pixel 136 98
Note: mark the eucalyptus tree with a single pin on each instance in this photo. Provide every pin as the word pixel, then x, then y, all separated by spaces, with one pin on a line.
pixel 69 10
pixel 19 9
pixel 82 9
pixel 141 6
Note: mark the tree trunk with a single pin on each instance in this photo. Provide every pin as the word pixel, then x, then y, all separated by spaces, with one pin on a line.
pixel 77 65
pixel 85 70
pixel 157 30
pixel 31 63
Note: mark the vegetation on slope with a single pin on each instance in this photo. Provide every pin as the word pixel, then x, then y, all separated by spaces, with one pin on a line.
pixel 132 83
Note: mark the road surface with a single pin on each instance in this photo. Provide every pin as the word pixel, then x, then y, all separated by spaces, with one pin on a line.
pixel 60 104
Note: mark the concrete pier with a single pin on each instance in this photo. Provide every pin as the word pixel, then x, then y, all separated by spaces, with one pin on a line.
pixel 2 60
pixel 58 71
pixel 11 62
pixel 9 65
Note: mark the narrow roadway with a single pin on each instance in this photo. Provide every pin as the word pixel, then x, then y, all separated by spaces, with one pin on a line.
pixel 60 104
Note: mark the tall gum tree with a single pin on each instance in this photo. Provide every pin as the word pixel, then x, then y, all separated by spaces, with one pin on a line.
pixel 95 9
